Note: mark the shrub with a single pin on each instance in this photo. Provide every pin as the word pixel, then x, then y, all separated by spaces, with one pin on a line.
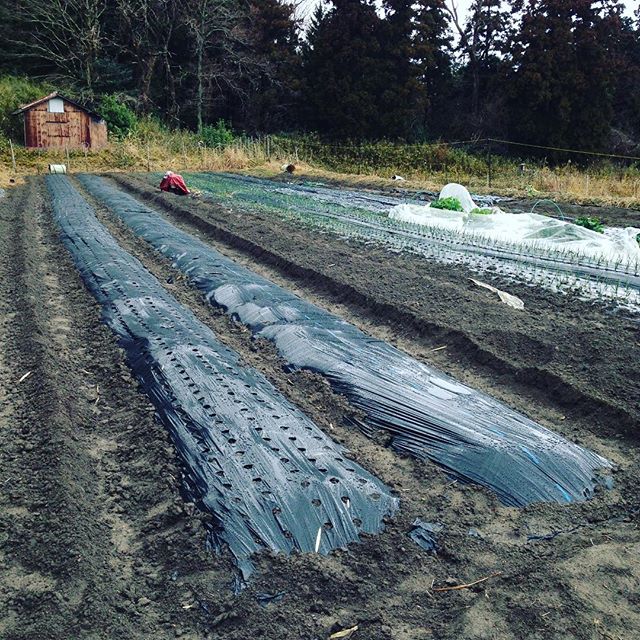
pixel 595 224
pixel 219 136
pixel 14 92
pixel 450 204
pixel 121 120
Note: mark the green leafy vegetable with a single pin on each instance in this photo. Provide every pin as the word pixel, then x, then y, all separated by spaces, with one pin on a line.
pixel 481 211
pixel 595 224
pixel 450 204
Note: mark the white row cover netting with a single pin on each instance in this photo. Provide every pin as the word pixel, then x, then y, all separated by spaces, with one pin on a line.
pixel 528 229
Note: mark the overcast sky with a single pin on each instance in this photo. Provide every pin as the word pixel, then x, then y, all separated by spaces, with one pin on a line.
pixel 463 5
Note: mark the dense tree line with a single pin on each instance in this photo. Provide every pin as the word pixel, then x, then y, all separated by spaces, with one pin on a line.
pixel 564 73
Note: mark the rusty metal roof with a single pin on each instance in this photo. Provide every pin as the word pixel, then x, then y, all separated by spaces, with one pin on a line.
pixel 55 94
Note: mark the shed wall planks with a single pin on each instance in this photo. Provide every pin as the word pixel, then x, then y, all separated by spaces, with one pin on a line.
pixel 72 129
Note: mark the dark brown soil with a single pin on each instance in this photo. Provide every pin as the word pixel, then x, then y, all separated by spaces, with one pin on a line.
pixel 581 357
pixel 96 542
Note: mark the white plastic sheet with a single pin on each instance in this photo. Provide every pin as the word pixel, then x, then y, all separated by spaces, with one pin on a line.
pixel 527 228
pixel 455 190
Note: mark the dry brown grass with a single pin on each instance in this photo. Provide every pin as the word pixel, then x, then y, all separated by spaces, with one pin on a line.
pixel 562 184
pixel 131 156
pixel 565 184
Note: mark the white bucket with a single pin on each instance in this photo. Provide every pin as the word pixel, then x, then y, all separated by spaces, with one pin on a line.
pixel 57 168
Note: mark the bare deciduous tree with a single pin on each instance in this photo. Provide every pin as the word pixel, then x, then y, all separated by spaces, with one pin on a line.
pixel 223 50
pixel 212 23
pixel 66 34
pixel 146 30
pixel 480 37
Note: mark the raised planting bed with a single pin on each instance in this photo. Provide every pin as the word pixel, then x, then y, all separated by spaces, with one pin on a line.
pixel 429 415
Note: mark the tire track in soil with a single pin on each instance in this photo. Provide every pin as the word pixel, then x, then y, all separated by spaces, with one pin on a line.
pixel 95 540
pixel 383 583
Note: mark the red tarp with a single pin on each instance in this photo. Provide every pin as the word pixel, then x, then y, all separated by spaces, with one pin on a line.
pixel 175 183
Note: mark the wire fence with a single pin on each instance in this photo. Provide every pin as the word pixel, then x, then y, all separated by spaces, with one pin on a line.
pixel 479 157
pixel 477 162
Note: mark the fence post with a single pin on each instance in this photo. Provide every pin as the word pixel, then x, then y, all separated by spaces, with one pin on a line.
pixel 489 166
pixel 13 157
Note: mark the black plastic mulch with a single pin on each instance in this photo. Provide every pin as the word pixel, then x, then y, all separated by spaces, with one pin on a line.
pixel 268 475
pixel 429 414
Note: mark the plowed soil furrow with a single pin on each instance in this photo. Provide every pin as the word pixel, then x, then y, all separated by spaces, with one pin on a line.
pixel 307 390
pixel 382 583
pixel 96 542
pixel 428 414
pixel 269 477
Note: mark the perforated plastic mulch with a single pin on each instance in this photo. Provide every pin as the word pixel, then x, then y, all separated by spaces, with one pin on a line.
pixel 268 475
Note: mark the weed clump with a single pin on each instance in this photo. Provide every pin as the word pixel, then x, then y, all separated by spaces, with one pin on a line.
pixel 219 135
pixel 121 119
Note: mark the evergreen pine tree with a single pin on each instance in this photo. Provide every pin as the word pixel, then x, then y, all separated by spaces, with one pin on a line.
pixel 626 104
pixel 482 43
pixel 404 98
pixel 563 73
pixel 432 55
pixel 274 38
pixel 343 82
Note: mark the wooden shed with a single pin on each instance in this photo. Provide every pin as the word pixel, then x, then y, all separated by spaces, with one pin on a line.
pixel 58 122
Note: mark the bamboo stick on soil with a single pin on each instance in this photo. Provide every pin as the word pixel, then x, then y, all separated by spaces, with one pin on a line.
pixel 469 584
